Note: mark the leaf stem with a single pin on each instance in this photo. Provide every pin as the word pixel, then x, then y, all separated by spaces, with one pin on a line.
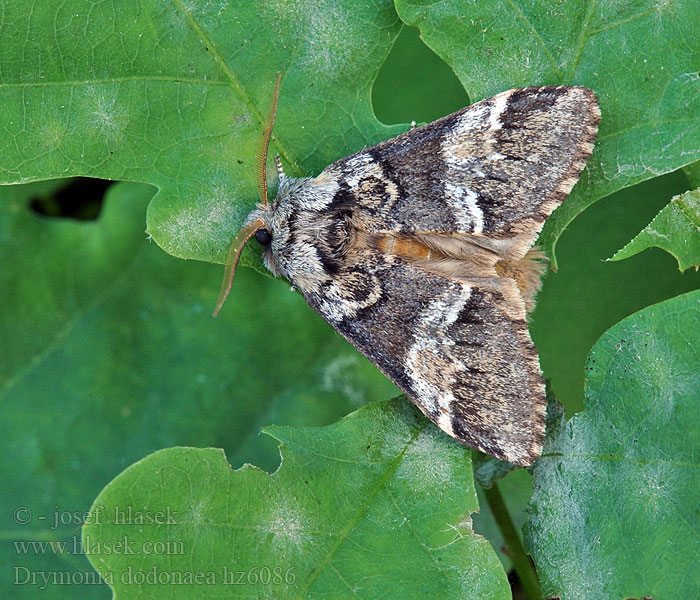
pixel 521 561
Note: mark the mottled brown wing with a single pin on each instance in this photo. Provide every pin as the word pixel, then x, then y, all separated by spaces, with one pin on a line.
pixel 450 330
pixel 497 168
pixel 461 352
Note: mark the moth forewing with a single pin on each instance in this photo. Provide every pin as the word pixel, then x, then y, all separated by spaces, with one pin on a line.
pixel 418 251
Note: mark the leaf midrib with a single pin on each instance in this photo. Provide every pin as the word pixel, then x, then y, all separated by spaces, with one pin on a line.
pixel 234 83
pixel 537 36
pixel 362 510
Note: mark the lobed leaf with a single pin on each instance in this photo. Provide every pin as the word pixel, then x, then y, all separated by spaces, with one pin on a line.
pixel 588 294
pixel 174 94
pixel 374 506
pixel 107 343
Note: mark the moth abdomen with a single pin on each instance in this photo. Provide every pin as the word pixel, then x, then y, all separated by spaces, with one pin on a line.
pixel 405 247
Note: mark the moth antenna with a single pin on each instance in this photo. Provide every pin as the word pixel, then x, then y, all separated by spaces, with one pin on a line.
pixel 280 170
pixel 234 254
pixel 248 231
pixel 265 144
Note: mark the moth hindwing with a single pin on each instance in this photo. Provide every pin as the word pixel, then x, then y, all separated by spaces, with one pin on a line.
pixel 418 251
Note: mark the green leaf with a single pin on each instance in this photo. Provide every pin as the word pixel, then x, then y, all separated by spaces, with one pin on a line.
pixel 640 58
pixel 488 469
pixel 109 352
pixel 415 84
pixel 175 95
pixel 374 506
pixel 614 511
pixel 675 229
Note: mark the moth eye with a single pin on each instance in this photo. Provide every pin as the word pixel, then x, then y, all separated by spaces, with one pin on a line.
pixel 263 237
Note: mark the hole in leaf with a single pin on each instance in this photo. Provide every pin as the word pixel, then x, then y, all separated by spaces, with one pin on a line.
pixel 80 198
pixel 415 84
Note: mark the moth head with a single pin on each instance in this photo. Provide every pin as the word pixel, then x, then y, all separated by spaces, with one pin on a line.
pixel 256 224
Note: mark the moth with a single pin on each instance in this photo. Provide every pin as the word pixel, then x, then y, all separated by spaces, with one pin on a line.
pixel 419 251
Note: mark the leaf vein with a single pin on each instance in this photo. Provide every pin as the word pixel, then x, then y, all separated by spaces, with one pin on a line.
pixel 538 37
pixel 361 510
